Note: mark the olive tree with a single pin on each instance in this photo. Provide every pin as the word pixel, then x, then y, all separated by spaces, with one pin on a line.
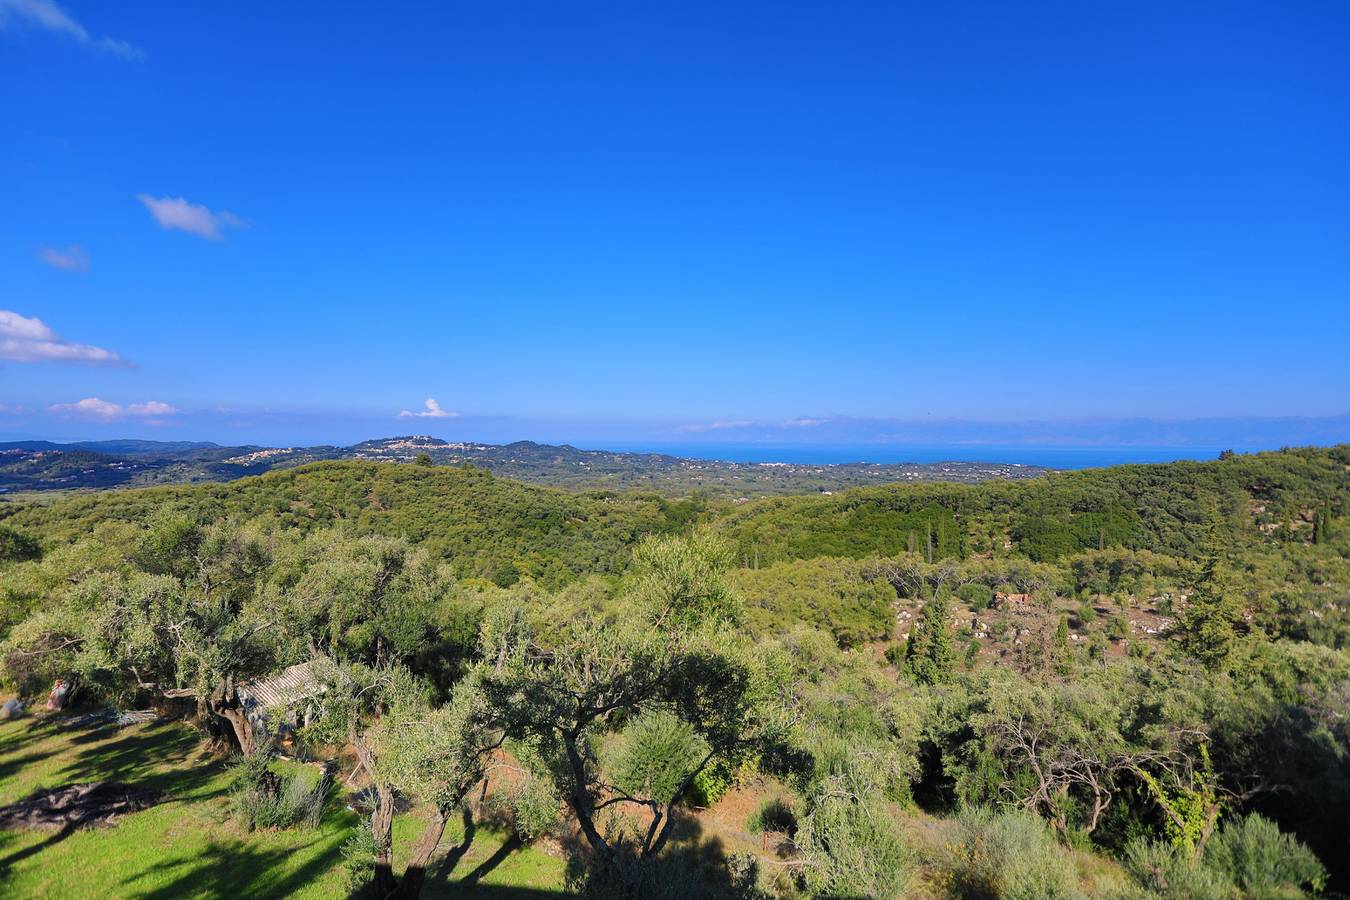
pixel 407 746
pixel 672 675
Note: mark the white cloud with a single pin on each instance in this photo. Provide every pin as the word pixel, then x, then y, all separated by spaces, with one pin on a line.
pixel 433 411
pixel 72 259
pixel 175 212
pixel 30 340
pixel 716 426
pixel 46 14
pixel 94 408
pixel 804 423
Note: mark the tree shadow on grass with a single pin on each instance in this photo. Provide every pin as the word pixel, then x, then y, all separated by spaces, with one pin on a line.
pixel 13 765
pixel 234 868
pixel 508 846
pixel 53 839
pixel 156 757
pixel 15 736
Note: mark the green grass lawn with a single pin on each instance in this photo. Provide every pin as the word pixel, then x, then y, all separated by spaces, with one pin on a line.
pixel 189 846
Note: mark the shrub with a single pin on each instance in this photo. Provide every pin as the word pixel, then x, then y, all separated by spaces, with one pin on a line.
pixel 1172 872
pixel 743 877
pixel 673 875
pixel 263 799
pixel 710 785
pixel 977 596
pixel 1009 854
pixel 1264 861
pixel 15 546
pixel 773 814
pixel 358 861
pixel 854 848
pixel 659 752
pixel 972 652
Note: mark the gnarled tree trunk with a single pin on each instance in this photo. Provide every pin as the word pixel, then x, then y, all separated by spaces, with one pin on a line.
pixel 382 827
pixel 232 711
pixel 415 875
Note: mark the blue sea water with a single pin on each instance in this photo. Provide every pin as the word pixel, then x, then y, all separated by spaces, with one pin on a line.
pixel 1050 456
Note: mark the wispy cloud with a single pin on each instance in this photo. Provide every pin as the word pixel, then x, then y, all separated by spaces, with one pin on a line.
pixel 72 259
pixel 175 212
pixel 103 410
pixel 47 15
pixel 24 339
pixel 805 423
pixel 714 426
pixel 433 411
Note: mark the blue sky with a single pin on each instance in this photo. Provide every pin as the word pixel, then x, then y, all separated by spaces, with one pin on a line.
pixel 290 222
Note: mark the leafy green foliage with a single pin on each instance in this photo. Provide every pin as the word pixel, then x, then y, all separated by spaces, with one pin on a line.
pixel 929 655
pixel 260 798
pixel 1009 854
pixel 612 665
pixel 772 814
pixel 975 595
pixel 1174 873
pixel 1264 861
pixel 839 596
pixel 659 753
pixel 16 546
pixel 479 524
pixel 853 847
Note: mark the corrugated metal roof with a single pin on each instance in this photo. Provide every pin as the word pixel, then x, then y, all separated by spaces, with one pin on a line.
pixel 287 687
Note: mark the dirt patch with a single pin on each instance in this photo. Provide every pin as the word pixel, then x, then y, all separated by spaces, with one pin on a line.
pixel 95 805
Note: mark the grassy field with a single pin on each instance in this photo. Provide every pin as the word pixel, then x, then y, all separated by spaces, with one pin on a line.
pixel 189 846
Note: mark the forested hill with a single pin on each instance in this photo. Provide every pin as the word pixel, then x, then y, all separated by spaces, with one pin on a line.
pixel 1165 508
pixel 1179 630
pixel 45 466
pixel 504 529
pixel 485 526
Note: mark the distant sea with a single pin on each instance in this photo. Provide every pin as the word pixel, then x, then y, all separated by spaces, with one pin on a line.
pixel 1052 457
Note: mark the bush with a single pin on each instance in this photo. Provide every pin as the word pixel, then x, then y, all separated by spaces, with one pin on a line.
pixel 1263 861
pixel 1172 872
pixel 710 785
pixel 854 848
pixel 358 861
pixel 773 814
pixel 743 877
pixel 659 752
pixel 15 546
pixel 1009 854
pixel 263 799
pixel 674 875
pixel 977 596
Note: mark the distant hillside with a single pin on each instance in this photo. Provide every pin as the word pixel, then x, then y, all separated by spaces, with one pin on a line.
pixel 483 526
pixel 45 466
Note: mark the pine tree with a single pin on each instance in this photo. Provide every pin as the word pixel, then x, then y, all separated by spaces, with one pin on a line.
pixel 930 655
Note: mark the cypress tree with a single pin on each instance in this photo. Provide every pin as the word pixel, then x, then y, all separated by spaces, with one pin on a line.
pixel 1210 623
pixel 1061 651
pixel 930 655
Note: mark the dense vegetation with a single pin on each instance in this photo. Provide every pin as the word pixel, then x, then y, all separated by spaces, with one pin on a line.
pixel 1130 682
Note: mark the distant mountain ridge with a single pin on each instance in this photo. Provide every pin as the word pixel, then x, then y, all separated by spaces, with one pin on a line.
pixel 92 465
